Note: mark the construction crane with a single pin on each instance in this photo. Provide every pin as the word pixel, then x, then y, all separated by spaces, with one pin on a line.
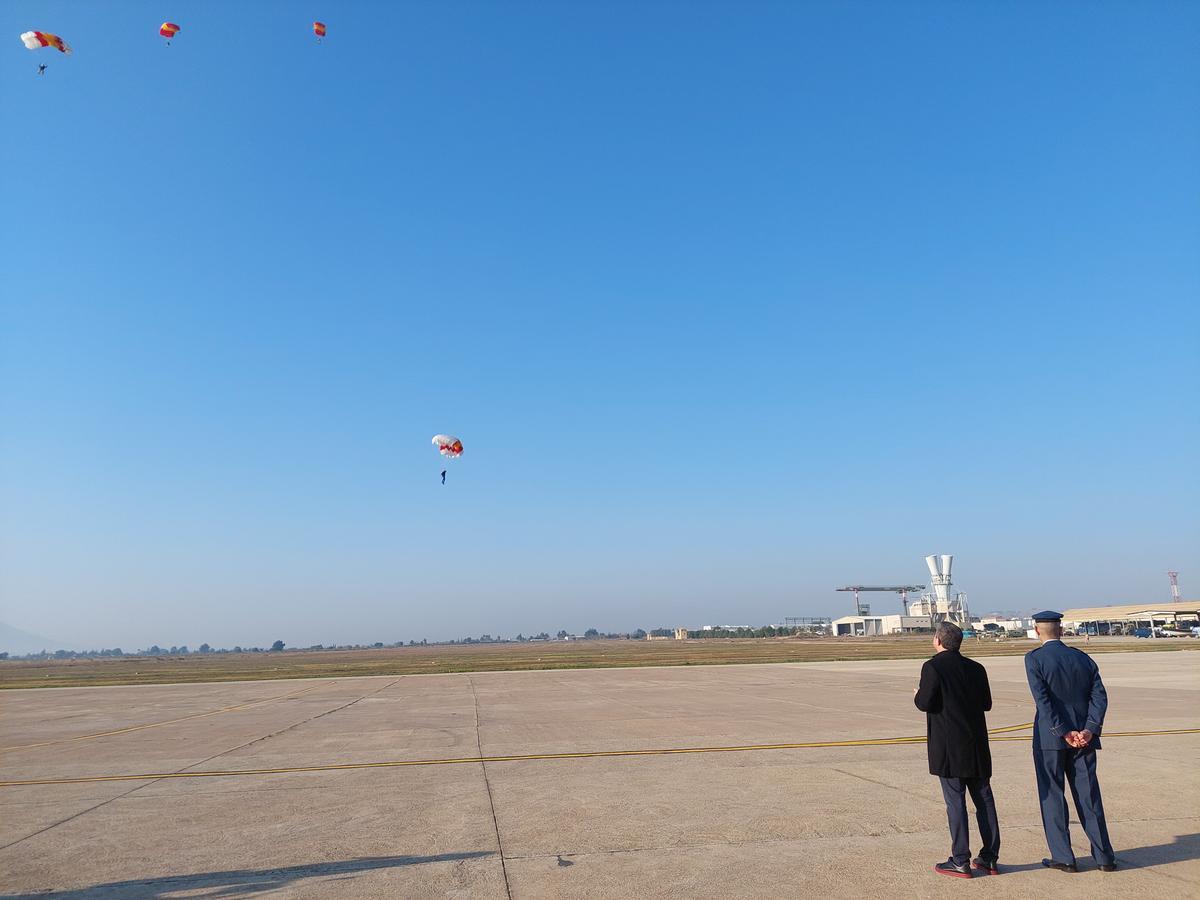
pixel 1174 576
pixel 902 590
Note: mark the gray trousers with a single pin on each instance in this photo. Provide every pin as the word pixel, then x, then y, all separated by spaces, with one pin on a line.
pixel 955 791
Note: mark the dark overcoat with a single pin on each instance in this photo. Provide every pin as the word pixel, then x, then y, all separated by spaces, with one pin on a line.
pixel 954 695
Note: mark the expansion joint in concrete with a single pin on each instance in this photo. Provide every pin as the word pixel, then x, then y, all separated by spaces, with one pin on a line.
pixel 148 782
pixel 488 785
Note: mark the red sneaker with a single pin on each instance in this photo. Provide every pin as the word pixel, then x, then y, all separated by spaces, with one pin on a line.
pixel 953 869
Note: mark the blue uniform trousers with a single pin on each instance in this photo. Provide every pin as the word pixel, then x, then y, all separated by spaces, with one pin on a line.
pixel 1078 767
pixel 954 790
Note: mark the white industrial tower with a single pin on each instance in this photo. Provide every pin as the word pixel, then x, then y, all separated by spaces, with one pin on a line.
pixel 1174 576
pixel 942 605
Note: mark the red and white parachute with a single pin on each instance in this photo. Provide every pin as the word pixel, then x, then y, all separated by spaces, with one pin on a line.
pixel 35 40
pixel 448 445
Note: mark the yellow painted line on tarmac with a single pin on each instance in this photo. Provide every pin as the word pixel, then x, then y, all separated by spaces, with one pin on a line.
pixel 587 754
pixel 1113 734
pixel 584 754
pixel 211 712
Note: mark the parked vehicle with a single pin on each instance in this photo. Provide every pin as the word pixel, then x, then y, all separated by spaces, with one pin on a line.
pixel 1142 632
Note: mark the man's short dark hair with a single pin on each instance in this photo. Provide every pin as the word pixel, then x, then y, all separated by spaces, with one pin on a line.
pixel 949 635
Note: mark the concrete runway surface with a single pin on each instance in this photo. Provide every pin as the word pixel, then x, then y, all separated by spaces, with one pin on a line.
pixel 831 822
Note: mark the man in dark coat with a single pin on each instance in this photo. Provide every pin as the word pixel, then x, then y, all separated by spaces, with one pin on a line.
pixel 954 695
pixel 1071 704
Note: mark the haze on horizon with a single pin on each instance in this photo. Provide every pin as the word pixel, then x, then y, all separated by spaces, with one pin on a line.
pixel 730 306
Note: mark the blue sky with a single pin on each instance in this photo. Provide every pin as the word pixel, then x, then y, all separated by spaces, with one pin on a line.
pixel 730 303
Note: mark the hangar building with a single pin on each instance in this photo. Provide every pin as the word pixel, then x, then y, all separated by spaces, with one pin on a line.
pixel 1124 619
pixel 872 625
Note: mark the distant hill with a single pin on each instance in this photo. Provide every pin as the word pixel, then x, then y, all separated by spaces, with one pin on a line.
pixel 15 641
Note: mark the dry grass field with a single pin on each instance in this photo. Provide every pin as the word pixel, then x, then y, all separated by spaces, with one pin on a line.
pixel 218 667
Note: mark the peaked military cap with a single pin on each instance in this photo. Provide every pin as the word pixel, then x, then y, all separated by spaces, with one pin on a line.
pixel 1047 615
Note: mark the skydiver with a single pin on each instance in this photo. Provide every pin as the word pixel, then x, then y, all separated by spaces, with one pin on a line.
pixel 443 476
pixel 41 68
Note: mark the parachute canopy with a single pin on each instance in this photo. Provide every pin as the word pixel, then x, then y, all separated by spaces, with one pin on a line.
pixel 35 40
pixel 168 30
pixel 319 29
pixel 448 445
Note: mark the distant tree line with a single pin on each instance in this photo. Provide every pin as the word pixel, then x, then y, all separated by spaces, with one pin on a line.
pixel 152 650
pixel 767 631
pixel 591 634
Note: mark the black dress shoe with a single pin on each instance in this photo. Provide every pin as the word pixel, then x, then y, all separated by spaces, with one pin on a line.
pixel 1108 867
pixel 1062 867
pixel 990 866
pixel 953 869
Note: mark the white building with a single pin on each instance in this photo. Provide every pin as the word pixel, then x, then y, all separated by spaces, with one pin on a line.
pixel 874 625
pixel 1007 623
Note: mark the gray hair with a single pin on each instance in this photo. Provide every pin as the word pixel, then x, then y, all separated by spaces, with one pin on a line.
pixel 949 635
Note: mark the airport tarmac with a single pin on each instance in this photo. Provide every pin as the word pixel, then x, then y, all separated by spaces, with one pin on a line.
pixel 828 821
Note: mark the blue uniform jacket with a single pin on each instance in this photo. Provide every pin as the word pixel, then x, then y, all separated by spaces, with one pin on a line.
pixel 1069 694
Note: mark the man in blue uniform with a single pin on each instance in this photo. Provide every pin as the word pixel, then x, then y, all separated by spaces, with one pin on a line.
pixel 1071 703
